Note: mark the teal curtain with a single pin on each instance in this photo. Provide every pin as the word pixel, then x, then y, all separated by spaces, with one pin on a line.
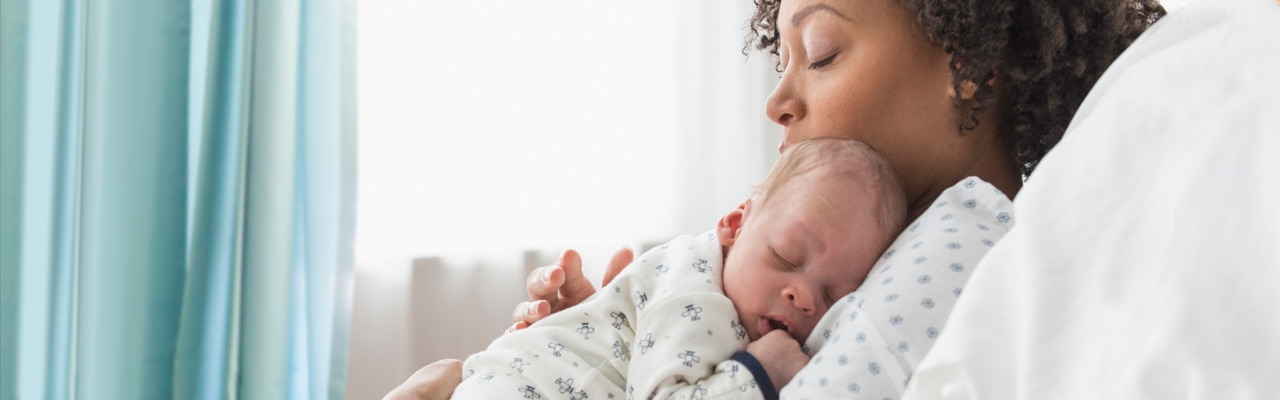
pixel 177 183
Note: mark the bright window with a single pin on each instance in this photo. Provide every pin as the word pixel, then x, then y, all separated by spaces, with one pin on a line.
pixel 503 125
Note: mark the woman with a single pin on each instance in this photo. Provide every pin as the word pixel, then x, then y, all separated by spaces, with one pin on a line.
pixel 944 89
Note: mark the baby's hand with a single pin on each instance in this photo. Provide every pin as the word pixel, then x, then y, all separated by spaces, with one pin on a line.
pixel 780 355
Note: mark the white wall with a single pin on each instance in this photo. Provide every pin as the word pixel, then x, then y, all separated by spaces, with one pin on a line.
pixel 495 134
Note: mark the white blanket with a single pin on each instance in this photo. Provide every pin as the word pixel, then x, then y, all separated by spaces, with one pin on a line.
pixel 1146 258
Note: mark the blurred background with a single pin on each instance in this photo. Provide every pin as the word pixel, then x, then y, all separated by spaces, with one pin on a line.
pixel 314 198
pixel 494 135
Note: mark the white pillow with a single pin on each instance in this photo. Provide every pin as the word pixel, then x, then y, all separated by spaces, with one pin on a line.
pixel 1146 259
pixel 868 343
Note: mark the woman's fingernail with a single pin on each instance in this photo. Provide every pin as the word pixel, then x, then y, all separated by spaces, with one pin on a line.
pixel 546 276
pixel 531 310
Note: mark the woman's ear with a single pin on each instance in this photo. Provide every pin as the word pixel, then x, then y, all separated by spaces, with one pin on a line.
pixel 730 225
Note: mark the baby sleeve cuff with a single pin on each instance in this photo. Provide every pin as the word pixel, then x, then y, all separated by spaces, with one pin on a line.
pixel 757 371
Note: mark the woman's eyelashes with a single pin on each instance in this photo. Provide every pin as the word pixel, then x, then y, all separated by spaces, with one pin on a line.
pixel 823 62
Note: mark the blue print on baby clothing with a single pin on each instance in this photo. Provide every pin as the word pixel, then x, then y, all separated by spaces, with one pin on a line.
pixel 701 266
pixel 620 350
pixel 529 392
pixel 556 348
pixel 662 268
pixel 690 357
pixel 748 386
pixel 586 330
pixel 619 320
pixel 518 364
pixel 699 392
pixel 566 386
pixel 646 343
pixel 641 299
pixel 691 311
pixel 738 329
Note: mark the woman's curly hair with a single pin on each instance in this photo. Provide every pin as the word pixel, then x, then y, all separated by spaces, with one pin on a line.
pixel 1049 53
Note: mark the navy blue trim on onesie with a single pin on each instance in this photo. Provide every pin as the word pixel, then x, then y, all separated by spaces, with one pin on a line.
pixel 757 371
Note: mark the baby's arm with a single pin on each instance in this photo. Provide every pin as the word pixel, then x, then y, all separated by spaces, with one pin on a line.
pixel 689 346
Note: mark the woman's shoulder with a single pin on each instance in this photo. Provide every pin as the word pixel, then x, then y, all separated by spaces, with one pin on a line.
pixel 970 200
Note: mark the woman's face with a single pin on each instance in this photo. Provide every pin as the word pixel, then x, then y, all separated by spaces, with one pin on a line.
pixel 863 70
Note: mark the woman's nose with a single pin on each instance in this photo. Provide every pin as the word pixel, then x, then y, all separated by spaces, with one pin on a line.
pixel 784 106
pixel 800 299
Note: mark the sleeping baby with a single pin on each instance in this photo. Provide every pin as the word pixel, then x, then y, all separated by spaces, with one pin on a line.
pixel 718 315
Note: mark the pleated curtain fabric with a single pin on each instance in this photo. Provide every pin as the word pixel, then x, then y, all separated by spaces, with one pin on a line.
pixel 177 185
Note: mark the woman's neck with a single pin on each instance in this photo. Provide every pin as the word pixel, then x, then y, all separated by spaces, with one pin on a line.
pixel 991 163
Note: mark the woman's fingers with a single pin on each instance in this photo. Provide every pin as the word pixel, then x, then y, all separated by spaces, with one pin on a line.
pixel 620 260
pixel 435 381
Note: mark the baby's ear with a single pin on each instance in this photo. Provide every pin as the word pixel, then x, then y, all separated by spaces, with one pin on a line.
pixel 731 224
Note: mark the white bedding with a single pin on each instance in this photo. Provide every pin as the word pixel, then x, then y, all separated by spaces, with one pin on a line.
pixel 1146 258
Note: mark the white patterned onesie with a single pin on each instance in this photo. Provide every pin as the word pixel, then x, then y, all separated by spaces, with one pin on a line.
pixel 872 339
pixel 663 329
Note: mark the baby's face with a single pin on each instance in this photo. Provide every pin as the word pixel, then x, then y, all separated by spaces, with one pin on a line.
pixel 796 255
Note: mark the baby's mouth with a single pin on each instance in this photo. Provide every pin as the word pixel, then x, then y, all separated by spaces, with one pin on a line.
pixel 769 324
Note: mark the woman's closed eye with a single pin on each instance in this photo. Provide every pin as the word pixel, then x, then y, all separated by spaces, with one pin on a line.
pixel 823 62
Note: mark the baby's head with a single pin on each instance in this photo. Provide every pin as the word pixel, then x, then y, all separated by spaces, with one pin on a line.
pixel 809 234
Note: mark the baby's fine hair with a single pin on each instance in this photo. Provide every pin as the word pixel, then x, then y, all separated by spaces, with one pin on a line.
pixel 840 158
pixel 1045 55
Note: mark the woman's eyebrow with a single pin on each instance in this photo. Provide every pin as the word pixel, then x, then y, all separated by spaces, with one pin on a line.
pixel 807 11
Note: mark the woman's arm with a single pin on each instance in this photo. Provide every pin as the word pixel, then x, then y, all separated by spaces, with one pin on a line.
pixel 556 287
pixel 435 381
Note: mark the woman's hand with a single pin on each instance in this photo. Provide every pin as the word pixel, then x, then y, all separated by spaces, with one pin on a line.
pixel 435 381
pixel 780 355
pixel 556 287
